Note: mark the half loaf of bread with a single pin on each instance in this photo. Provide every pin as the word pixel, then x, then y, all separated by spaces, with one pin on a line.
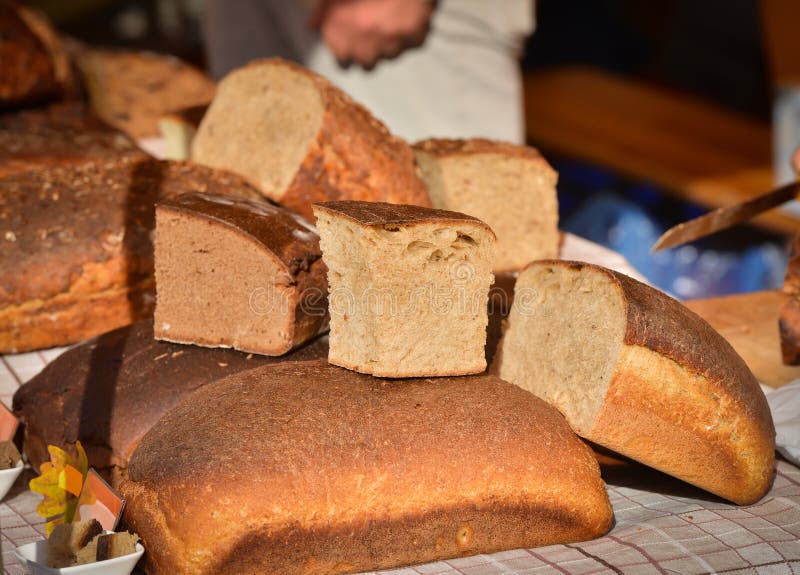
pixel 312 469
pixel 511 188
pixel 300 140
pixel 109 391
pixel 237 272
pixel 409 288
pixel 77 257
pixel 635 371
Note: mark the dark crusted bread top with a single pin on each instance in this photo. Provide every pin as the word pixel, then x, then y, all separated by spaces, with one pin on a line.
pixel 107 392
pixel 90 222
pixel 444 147
pixel 381 215
pixel 286 234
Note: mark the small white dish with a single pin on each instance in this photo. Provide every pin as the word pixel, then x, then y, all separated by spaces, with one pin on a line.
pixel 8 477
pixel 33 557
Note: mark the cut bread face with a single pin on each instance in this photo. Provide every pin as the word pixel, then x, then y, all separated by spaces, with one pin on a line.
pixel 301 140
pixel 634 371
pixel 409 288
pixel 512 188
pixel 232 272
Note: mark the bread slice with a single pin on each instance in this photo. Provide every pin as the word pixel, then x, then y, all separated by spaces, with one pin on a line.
pixel 635 371
pixel 178 130
pixel 109 391
pixel 233 272
pixel 336 472
pixel 67 539
pixel 409 288
pixel 77 257
pixel 511 188
pixel 133 90
pixel 301 140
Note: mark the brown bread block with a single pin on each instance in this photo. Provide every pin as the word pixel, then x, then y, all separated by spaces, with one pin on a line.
pixel 107 546
pixel 67 539
pixel 311 469
pixel 301 140
pixel 512 188
pixel 133 90
pixel 409 288
pixel 77 257
pixel 236 272
pixel 9 455
pixel 636 372
pixel 109 391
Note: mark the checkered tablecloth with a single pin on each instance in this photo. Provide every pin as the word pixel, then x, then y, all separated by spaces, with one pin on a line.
pixel 662 525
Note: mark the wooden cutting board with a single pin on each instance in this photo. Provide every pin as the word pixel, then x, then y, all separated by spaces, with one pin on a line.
pixel 750 323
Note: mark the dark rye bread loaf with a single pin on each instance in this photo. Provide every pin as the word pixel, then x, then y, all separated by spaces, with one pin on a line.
pixel 60 134
pixel 133 90
pixel 237 272
pixel 301 140
pixel 109 391
pixel 33 65
pixel 311 469
pixel 635 371
pixel 77 257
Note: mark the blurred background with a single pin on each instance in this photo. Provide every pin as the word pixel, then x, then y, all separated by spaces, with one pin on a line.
pixel 652 112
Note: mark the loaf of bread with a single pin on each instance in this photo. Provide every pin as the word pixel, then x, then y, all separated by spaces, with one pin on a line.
pixel 133 90
pixel 311 469
pixel 34 65
pixel 300 140
pixel 78 256
pixel 511 188
pixel 409 288
pixel 109 391
pixel 636 372
pixel 237 272
pixel 60 134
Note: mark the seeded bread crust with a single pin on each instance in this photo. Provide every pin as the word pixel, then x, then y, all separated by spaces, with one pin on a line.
pixel 109 391
pixel 311 469
pixel 79 257
pixel 353 156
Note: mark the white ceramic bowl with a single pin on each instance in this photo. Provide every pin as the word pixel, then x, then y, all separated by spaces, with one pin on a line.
pixel 8 477
pixel 33 557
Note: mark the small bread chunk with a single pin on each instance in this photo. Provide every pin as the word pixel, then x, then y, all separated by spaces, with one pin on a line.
pixel 107 546
pixel 9 455
pixel 409 288
pixel 310 469
pixel 636 372
pixel 67 539
pixel 178 130
pixel 512 188
pixel 233 272
pixel 300 140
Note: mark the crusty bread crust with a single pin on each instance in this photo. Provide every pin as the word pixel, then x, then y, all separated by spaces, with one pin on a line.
pixel 310 469
pixel 682 400
pixel 109 391
pixel 81 235
pixel 352 157
pixel 444 147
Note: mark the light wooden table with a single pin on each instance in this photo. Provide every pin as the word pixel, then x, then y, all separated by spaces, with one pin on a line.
pixel 750 323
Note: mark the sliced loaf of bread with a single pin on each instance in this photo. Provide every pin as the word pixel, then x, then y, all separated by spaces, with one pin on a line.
pixel 635 371
pixel 236 272
pixel 301 140
pixel 409 288
pixel 512 188
pixel 309 469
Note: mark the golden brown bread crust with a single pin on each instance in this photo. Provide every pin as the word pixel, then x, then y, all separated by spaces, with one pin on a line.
pixel 679 383
pixel 133 90
pixel 109 391
pixel 79 257
pixel 444 147
pixel 381 214
pixel 309 468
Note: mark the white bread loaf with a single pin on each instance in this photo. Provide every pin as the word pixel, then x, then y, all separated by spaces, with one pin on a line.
pixel 409 288
pixel 512 188
pixel 635 371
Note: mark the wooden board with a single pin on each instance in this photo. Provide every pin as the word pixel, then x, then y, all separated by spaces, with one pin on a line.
pixel 750 323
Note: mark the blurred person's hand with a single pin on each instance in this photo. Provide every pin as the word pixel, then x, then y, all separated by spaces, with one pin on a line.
pixel 366 31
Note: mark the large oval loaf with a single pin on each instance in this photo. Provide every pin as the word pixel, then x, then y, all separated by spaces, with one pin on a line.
pixel 637 372
pixel 311 469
